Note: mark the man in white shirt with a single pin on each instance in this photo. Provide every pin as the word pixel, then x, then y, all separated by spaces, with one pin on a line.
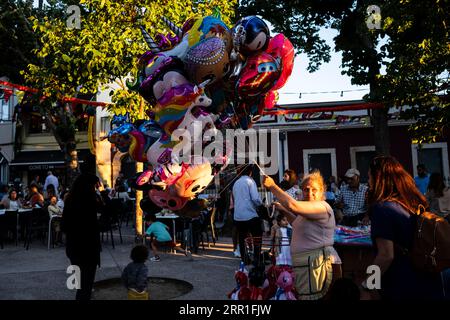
pixel 51 179
pixel 246 200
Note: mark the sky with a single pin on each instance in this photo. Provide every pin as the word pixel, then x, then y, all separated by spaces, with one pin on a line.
pixel 327 78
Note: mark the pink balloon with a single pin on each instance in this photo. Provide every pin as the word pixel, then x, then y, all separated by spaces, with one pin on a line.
pixel 165 200
pixel 280 47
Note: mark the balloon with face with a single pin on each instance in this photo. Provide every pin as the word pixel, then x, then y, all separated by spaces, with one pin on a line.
pixel 251 35
pixel 259 75
pixel 168 75
pixel 164 199
pixel 196 178
pixel 207 60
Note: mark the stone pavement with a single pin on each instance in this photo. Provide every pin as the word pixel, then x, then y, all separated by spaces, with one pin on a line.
pixel 40 274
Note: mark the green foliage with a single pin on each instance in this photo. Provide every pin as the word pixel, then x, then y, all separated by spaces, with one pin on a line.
pixel 412 46
pixel 106 48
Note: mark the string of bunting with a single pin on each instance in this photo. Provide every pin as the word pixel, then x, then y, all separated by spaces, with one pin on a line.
pixel 360 106
pixel 65 99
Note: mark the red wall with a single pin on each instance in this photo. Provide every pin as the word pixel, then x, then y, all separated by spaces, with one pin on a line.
pixel 342 140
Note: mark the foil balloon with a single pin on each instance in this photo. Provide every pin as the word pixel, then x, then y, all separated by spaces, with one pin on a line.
pixel 167 174
pixel 258 76
pixel 207 60
pixel 164 199
pixel 151 130
pixel 281 48
pixel 170 74
pixel 160 152
pixel 251 35
pixel 142 182
pixel 174 105
pixel 120 136
pixel 194 180
pixel 210 27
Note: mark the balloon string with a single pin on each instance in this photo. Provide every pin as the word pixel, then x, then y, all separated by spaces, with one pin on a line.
pixel 260 169
pixel 237 176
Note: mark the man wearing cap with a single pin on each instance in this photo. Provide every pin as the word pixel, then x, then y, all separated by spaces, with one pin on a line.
pixel 352 199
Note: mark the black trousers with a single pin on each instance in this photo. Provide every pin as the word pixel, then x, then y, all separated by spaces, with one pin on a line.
pixel 87 277
pixel 245 229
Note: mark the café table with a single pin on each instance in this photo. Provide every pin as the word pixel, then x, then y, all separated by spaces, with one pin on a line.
pixel 171 216
pixel 355 248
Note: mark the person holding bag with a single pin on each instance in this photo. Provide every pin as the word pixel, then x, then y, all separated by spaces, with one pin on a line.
pixel 394 200
pixel 316 264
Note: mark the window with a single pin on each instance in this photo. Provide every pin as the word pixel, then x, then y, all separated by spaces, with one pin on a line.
pixel 38 125
pixel 4 112
pixel 360 158
pixel 104 126
pixel 323 160
pixel 433 155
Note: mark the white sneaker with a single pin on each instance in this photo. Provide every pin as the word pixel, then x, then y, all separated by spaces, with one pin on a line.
pixel 155 259
pixel 237 253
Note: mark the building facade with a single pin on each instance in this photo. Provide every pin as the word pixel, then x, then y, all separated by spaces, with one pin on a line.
pixel 334 141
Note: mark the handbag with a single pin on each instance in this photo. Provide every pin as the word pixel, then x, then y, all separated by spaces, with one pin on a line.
pixel 263 212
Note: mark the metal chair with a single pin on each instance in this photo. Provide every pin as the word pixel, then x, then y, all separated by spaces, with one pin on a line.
pixel 36 221
pixel 8 224
pixel 110 220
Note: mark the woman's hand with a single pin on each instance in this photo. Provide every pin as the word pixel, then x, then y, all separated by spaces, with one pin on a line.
pixel 277 205
pixel 268 182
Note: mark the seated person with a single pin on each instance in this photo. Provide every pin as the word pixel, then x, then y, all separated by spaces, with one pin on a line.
pixel 36 199
pixel 10 201
pixel 158 235
pixel 122 194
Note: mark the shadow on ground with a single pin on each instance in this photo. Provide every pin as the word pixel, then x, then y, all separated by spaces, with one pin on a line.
pixel 158 288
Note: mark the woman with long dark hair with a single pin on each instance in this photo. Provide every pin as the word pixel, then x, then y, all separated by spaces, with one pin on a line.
pixel 393 200
pixel 79 222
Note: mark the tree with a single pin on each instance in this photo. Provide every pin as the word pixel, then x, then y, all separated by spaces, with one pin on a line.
pixel 104 50
pixel 413 40
pixel 16 33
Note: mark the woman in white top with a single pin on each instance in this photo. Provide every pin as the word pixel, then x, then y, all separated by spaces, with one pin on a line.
pixel 10 201
pixel 316 263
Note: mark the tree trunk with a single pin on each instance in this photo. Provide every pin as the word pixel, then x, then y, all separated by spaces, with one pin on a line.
pixel 139 213
pixel 379 117
pixel 379 121
pixel 72 167
pixel 139 194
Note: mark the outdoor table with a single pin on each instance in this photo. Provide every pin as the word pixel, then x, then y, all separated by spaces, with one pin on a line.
pixel 355 250
pixel 169 216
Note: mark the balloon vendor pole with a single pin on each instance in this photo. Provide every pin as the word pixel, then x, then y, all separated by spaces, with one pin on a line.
pixel 260 169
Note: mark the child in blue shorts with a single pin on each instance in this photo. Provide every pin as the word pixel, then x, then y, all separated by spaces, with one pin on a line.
pixel 158 235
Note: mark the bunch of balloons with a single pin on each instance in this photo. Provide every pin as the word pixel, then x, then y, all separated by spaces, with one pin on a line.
pixel 207 76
